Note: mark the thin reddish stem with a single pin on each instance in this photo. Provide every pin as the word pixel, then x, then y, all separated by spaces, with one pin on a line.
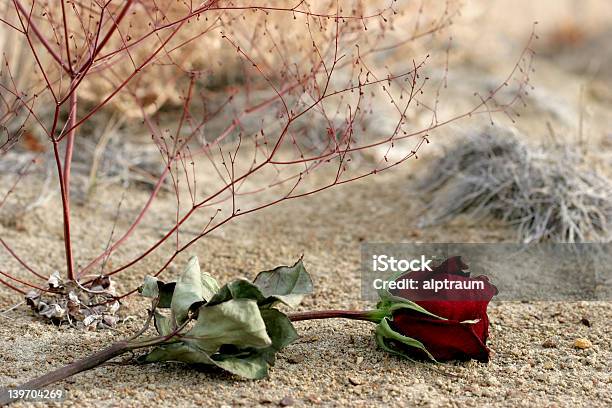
pixel 66 181
pixel 32 25
pixel 31 285
pixel 20 260
pixel 331 314
pixel 11 286
pixel 106 38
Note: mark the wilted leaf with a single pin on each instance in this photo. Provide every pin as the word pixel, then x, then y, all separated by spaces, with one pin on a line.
pixel 51 311
pixel 253 365
pixel 163 324
pixel 236 328
pixel 149 288
pixel 279 328
pixel 55 281
pixel 209 285
pixel 73 298
pixel 245 364
pixel 113 307
pixel 192 288
pixel 101 283
pixel 287 284
pixel 110 321
pixel 91 319
pixel 237 322
pixel 231 335
pixel 176 352
pixel 33 299
pixel 153 288
pixel 237 289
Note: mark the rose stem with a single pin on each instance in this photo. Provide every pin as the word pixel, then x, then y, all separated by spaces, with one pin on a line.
pixel 332 314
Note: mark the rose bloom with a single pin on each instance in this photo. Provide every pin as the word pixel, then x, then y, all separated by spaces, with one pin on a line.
pixel 463 335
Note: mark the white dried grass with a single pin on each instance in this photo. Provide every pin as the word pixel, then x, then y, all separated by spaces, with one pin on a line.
pixel 546 193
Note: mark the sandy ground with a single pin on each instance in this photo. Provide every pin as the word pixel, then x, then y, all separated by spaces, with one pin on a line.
pixel 534 362
pixel 337 362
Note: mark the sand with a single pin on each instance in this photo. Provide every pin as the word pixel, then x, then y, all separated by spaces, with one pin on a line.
pixel 337 362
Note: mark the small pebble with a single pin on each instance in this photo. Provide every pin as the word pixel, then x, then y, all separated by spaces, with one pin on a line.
pixel 298 358
pixel 286 401
pixel 492 381
pixel 549 343
pixel 355 381
pixel 582 343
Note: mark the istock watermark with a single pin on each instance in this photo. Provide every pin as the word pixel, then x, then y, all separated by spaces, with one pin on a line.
pixel 449 271
pixel 384 263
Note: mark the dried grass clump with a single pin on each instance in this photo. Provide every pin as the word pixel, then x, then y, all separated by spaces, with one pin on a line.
pixel 545 192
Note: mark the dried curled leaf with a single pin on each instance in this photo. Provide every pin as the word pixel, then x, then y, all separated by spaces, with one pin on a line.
pixel 287 284
pixel 235 327
pixel 154 288
pixel 91 304
pixel 236 322
pixel 194 286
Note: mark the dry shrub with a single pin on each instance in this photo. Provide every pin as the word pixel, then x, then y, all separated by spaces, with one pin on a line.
pixel 545 192
pixel 201 45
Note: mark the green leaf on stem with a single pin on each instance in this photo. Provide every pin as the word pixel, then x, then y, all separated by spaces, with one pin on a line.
pixel 285 284
pixel 237 289
pixel 279 328
pixel 388 339
pixel 253 363
pixel 235 336
pixel 149 288
pixel 248 364
pixel 180 352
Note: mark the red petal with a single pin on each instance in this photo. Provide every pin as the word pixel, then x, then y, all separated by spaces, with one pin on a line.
pixel 452 266
pixel 445 339
pixel 453 304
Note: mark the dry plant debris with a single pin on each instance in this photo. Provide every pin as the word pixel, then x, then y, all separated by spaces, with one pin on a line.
pixel 546 192
pixel 92 305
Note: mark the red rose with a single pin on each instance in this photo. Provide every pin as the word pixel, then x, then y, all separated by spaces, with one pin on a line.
pixel 463 335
